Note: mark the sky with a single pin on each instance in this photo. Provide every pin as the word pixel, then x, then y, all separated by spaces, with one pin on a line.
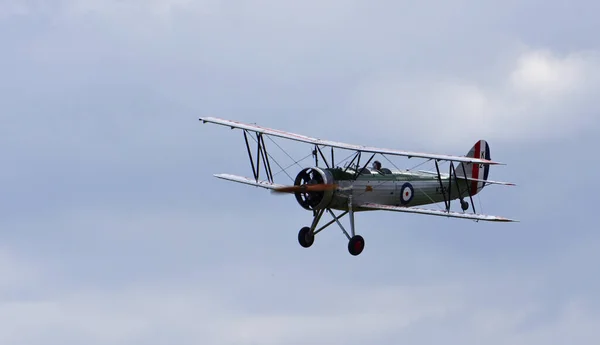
pixel 114 231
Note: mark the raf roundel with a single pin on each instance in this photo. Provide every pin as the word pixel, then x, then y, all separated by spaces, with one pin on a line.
pixel 406 193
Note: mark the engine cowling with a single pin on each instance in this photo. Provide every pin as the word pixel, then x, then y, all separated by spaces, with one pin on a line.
pixel 314 200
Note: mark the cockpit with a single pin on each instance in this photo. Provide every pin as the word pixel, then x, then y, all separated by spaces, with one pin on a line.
pixel 371 171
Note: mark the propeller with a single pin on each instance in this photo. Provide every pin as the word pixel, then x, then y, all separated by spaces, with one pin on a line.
pixel 306 188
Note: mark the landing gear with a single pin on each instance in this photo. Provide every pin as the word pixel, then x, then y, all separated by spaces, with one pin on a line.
pixel 356 243
pixel 305 237
pixel 464 205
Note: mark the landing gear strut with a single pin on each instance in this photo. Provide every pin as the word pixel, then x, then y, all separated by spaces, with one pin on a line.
pixel 356 243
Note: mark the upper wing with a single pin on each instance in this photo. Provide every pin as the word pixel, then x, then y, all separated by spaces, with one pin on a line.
pixel 305 139
pixel 442 213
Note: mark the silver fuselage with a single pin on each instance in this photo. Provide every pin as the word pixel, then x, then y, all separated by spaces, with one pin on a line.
pixel 398 188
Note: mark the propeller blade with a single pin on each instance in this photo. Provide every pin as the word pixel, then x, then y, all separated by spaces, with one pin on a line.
pixel 306 188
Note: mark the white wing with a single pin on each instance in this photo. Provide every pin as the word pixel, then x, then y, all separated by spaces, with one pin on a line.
pixel 249 181
pixel 441 213
pixel 305 139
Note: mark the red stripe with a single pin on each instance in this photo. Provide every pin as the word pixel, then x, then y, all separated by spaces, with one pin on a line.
pixel 475 172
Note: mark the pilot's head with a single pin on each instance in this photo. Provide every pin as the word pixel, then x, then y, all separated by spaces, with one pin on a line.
pixel 377 165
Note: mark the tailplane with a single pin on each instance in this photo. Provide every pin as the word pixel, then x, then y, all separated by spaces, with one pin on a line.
pixel 476 174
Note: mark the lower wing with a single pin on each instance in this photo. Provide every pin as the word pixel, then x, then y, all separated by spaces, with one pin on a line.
pixel 274 187
pixel 442 213
pixel 249 181
pixel 371 206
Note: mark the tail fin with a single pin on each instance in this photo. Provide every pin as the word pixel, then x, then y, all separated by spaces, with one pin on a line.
pixel 476 173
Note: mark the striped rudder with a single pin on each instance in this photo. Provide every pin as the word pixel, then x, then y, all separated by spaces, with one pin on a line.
pixel 481 149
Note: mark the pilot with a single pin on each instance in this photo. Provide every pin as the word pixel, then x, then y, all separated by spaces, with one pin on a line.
pixel 377 165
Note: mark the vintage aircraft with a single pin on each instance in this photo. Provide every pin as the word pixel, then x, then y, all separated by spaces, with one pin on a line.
pixel 353 188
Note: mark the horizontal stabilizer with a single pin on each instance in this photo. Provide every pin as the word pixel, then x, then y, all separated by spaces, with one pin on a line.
pixel 249 181
pixel 488 181
pixel 442 213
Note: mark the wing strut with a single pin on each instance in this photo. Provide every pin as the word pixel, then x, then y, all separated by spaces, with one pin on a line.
pixel 469 189
pixel 318 150
pixel 443 189
pixel 359 169
pixel 250 157
pixel 332 161
pixel 452 174
pixel 356 155
pixel 261 151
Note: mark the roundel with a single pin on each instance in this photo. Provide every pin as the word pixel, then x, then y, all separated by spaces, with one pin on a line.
pixel 406 193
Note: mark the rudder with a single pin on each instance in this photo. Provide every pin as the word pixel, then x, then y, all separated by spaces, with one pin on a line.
pixel 481 149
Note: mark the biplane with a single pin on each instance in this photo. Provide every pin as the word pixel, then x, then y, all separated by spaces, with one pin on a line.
pixel 355 188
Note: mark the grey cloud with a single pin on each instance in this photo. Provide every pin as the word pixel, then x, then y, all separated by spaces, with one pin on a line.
pixel 500 309
pixel 109 206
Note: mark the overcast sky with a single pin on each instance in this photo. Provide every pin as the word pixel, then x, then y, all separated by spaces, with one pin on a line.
pixel 113 230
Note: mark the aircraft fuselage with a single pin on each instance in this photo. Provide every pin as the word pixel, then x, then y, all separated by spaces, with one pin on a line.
pixel 398 188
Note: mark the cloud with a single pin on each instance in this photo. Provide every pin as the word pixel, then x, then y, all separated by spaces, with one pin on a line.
pixel 116 277
pixel 316 65
pixel 15 272
pixel 115 230
pixel 539 95
pixel 12 8
pixel 231 307
pixel 142 314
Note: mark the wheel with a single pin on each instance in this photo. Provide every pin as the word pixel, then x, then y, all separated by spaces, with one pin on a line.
pixel 464 205
pixel 305 237
pixel 356 245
